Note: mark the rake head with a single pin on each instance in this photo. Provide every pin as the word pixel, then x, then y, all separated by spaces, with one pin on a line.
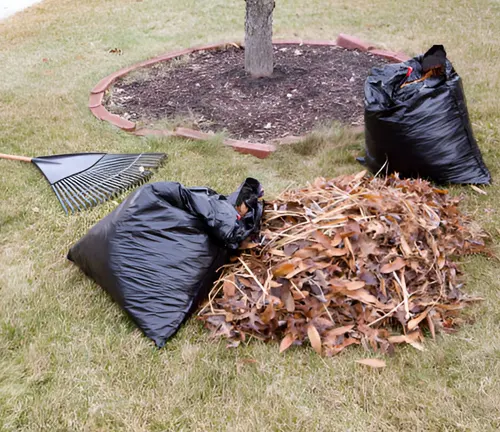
pixel 84 180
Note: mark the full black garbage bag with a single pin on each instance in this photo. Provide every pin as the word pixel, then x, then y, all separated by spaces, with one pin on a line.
pixel 157 254
pixel 422 129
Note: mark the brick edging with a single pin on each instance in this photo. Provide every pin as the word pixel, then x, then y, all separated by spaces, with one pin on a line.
pixel 257 149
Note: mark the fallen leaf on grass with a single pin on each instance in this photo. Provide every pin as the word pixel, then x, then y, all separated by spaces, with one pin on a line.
pixel 242 362
pixel 314 338
pixel 409 339
pixel 478 190
pixel 431 326
pixel 373 363
pixel 286 342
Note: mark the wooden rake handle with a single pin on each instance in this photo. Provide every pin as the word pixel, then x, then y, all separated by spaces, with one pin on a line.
pixel 16 158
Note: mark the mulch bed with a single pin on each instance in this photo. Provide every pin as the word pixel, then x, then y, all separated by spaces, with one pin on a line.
pixel 311 85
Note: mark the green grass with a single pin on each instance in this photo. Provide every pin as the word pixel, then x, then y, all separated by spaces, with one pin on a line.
pixel 69 358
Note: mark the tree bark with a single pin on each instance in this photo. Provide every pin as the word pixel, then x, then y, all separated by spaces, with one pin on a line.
pixel 259 60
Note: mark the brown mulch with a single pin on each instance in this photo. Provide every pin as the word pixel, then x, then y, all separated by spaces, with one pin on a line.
pixel 353 260
pixel 311 85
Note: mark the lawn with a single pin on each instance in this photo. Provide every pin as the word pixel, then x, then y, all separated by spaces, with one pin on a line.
pixel 69 358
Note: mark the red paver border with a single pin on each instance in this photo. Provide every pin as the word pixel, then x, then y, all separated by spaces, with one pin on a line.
pixel 257 149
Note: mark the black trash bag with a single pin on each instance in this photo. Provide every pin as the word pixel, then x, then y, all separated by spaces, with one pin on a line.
pixel 157 254
pixel 421 129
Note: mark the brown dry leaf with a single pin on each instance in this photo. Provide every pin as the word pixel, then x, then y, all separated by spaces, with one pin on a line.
pixel 288 300
pixel 354 285
pixel 398 339
pixel 289 249
pixel 397 264
pixel 409 339
pixel 478 190
pixel 412 324
pixel 246 282
pixel 372 197
pixel 382 287
pixel 363 296
pixel 440 191
pixel 417 345
pixel 322 239
pixel 405 248
pixel 277 253
pixel 349 246
pixel 335 252
pixel 329 351
pixel 248 245
pixel 268 314
pixel 341 330
pixel 430 324
pixel 283 269
pixel 357 177
pixel 372 362
pixel 229 288
pixel 286 342
pixel 305 253
pixel 248 361
pixel 413 340
pixel 336 240
pixel 314 338
pixel 450 307
pixel 338 331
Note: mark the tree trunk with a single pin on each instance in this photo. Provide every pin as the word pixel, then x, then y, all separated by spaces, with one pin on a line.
pixel 259 38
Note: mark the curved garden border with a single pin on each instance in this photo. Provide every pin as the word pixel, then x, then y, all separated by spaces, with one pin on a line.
pixel 257 149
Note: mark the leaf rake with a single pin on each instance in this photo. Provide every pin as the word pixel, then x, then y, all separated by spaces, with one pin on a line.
pixel 83 180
